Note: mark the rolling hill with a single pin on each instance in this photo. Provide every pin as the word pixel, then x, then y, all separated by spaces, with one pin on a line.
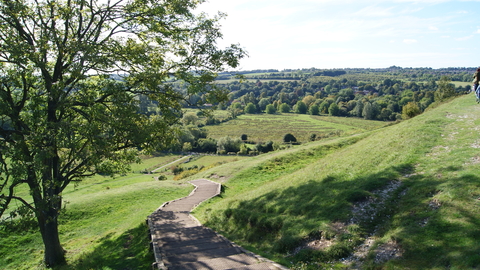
pixel 403 196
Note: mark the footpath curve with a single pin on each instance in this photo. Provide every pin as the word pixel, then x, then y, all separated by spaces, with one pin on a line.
pixel 180 242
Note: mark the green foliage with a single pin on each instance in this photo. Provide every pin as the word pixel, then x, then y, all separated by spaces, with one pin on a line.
pixel 289 138
pixel 333 109
pixel 71 116
pixel 301 107
pixel 264 148
pixel 410 110
pixel 228 144
pixel 314 110
pixel 270 109
pixel 250 108
pixel 445 89
pixel 284 108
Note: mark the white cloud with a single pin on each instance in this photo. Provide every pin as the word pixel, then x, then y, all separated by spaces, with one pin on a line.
pixel 375 11
pixel 409 41
pixel 433 28
pixel 464 38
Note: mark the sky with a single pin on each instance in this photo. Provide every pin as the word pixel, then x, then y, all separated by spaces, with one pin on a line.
pixel 295 34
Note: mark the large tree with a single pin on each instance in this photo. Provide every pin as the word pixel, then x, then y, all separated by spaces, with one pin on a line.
pixel 71 74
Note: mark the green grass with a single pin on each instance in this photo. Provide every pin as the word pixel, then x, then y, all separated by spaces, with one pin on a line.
pixel 102 226
pixel 264 127
pixel 273 202
pixel 272 205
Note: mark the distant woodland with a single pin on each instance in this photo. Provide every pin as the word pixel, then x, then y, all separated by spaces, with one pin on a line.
pixel 387 94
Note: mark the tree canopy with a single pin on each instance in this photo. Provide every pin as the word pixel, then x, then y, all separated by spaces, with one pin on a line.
pixel 73 72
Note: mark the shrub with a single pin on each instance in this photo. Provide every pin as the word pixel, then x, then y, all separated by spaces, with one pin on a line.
pixel 301 107
pixel 250 108
pixel 228 144
pixel 270 109
pixel 284 108
pixel 289 138
pixel 264 148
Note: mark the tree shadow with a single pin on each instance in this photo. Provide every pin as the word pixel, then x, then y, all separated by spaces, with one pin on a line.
pixel 430 235
pixel 438 222
pixel 130 250
pixel 284 216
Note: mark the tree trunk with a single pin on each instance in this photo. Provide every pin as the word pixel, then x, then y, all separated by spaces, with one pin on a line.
pixel 54 253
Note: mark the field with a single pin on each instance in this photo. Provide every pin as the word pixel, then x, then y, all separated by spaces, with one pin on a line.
pixel 265 127
pixel 410 191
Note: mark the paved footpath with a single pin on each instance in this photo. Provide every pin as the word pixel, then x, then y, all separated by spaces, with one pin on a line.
pixel 181 243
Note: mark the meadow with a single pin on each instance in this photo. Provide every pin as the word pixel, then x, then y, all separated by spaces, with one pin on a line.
pixel 268 127
pixel 410 191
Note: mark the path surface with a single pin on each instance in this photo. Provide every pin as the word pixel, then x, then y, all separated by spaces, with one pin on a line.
pixel 175 161
pixel 181 243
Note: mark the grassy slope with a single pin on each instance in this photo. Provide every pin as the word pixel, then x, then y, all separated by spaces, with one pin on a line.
pixel 272 204
pixel 103 226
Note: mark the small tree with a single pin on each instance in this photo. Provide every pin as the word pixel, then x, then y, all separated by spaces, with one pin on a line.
pixel 289 138
pixel 334 110
pixel 270 109
pixel 314 110
pixel 250 108
pixel 244 137
pixel 301 107
pixel 284 108
pixel 228 144
pixel 190 119
pixel 445 89
pixel 410 110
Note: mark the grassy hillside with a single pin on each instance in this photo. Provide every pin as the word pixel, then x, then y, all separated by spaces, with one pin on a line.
pixel 404 196
pixel 102 225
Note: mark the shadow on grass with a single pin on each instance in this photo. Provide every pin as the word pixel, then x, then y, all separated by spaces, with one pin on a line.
pixel 284 216
pixel 131 250
pixel 438 223
pixel 431 236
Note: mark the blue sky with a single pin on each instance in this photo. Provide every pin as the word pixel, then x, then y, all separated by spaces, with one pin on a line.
pixel 290 34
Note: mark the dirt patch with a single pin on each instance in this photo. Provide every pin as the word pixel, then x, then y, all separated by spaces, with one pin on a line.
pixel 368 209
pixel 475 160
pixel 324 239
pixel 218 177
pixel 388 251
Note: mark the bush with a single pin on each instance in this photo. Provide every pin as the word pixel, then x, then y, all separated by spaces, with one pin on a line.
pixel 289 138
pixel 228 144
pixel 250 108
pixel 270 109
pixel 264 148
pixel 176 170
pixel 207 145
pixel 301 107
pixel 284 108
